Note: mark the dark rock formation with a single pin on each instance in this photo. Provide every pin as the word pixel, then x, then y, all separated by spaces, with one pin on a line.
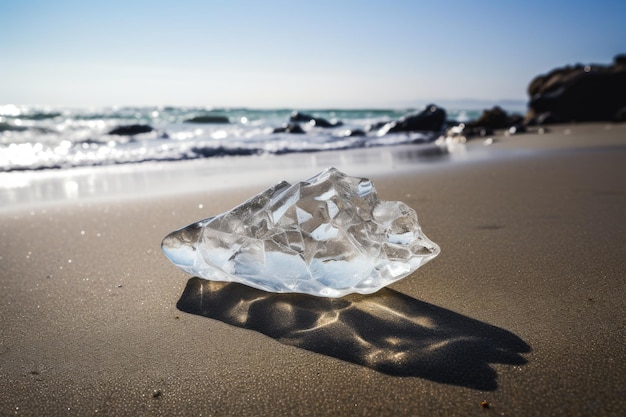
pixel 489 120
pixel 353 133
pixel 495 118
pixel 315 121
pixel 517 129
pixel 579 93
pixel 130 130
pixel 208 119
pixel 432 119
pixel 208 152
pixel 375 126
pixel 289 128
pixel 466 132
pixel 7 127
pixel 34 116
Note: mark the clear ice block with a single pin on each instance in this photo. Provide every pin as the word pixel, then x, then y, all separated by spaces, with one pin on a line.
pixel 328 236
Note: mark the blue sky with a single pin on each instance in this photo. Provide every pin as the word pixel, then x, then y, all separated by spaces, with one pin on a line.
pixel 276 53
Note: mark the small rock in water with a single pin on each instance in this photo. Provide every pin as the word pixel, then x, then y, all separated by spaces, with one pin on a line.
pixel 289 128
pixel 207 119
pixel 328 236
pixel 131 130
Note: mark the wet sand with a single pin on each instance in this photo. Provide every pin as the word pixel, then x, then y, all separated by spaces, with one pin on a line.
pixel 524 308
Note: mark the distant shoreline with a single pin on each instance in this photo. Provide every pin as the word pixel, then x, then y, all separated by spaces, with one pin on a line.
pixel 154 179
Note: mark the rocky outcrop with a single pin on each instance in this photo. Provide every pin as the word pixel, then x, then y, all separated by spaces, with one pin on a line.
pixel 431 119
pixel 314 121
pixel 579 93
pixel 490 120
pixel 289 128
pixel 130 130
pixel 353 133
pixel 495 118
pixel 206 119
pixel 8 127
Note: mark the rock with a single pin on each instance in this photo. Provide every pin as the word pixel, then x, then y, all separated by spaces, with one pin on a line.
pixel 39 116
pixel 431 119
pixel 93 142
pixel 320 122
pixel 546 119
pixel 314 121
pixel 208 119
pixel 517 129
pixel 495 118
pixel 351 133
pixel 375 126
pixel 462 132
pixel 289 128
pixel 7 127
pixel 296 116
pixel 130 130
pixel 212 151
pixel 578 93
pixel 489 120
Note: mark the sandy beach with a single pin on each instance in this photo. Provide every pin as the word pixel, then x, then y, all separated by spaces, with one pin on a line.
pixel 522 314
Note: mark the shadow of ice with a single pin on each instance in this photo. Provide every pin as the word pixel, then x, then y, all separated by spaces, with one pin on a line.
pixel 386 331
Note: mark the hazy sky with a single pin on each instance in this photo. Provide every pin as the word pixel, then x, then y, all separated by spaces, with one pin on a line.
pixel 273 53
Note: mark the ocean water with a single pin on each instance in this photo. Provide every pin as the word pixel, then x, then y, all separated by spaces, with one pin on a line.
pixel 35 137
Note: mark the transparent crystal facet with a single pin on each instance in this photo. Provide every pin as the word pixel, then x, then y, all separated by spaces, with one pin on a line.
pixel 328 236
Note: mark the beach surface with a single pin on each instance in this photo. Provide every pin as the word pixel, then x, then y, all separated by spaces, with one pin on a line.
pixel 522 314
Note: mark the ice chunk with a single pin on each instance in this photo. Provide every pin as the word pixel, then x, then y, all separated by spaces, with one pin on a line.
pixel 328 236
